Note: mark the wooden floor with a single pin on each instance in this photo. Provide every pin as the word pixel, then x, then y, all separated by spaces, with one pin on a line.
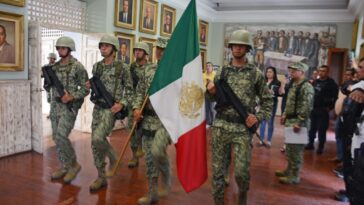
pixel 25 179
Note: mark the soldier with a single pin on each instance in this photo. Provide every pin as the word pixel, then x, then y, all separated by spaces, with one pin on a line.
pixel 52 57
pixel 137 69
pixel 296 115
pixel 228 129
pixel 73 76
pixel 115 77
pixel 155 136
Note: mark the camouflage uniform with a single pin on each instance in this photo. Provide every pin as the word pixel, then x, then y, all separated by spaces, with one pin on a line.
pixel 297 112
pixel 227 131
pixel 73 77
pixel 155 136
pixel 116 79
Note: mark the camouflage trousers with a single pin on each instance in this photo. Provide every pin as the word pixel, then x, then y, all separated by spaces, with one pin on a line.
pixel 136 139
pixel 103 122
pixel 295 158
pixel 155 149
pixel 240 143
pixel 62 121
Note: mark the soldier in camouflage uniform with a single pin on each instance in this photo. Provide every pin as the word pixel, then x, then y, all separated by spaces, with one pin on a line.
pixel 115 76
pixel 52 57
pixel 137 69
pixel 155 136
pixel 296 115
pixel 73 76
pixel 229 129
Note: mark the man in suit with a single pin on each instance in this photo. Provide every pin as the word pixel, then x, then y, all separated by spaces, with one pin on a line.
pixel 122 55
pixel 203 34
pixel 148 18
pixel 167 27
pixel 7 51
pixel 125 15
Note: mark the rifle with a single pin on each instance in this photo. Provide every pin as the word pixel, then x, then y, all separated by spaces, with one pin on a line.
pixel 99 92
pixel 226 96
pixel 51 80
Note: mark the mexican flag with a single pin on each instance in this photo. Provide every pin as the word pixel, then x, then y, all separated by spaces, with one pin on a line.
pixel 177 96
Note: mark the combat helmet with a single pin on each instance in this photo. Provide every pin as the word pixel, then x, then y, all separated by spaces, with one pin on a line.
pixel 241 37
pixel 143 46
pixel 52 55
pixel 161 43
pixel 109 39
pixel 66 41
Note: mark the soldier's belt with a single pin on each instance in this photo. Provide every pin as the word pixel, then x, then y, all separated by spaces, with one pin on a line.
pixel 230 118
pixel 149 112
pixel 148 133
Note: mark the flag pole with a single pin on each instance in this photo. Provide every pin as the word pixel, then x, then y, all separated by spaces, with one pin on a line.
pixel 129 137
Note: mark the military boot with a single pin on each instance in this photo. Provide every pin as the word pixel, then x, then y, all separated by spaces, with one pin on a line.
pixel 152 193
pixel 59 174
pixel 243 198
pixel 289 180
pixel 166 184
pixel 219 201
pixel 139 153
pixel 100 182
pixel 134 161
pixel 72 173
pixel 282 173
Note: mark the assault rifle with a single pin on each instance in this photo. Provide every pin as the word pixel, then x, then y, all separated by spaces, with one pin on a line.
pixel 99 92
pixel 51 80
pixel 226 96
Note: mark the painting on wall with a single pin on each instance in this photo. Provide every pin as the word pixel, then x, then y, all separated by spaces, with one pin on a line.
pixel 148 16
pixel 125 12
pixel 278 45
pixel 203 59
pixel 150 42
pixel 203 28
pixel 126 43
pixel 11 42
pixel 20 3
pixel 168 20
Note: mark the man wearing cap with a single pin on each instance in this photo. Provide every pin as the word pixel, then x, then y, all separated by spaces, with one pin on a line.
pixel 229 129
pixel 155 136
pixel 115 76
pixel 137 69
pixel 72 74
pixel 296 118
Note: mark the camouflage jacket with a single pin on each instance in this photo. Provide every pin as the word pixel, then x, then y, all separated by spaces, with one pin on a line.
pixel 73 77
pixel 150 120
pixel 120 87
pixel 249 85
pixel 136 73
pixel 298 108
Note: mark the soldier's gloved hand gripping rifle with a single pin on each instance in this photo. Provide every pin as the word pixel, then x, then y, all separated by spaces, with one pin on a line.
pixel 51 80
pixel 226 96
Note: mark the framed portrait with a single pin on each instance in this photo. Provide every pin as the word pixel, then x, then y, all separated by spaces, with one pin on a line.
pixel 125 12
pixel 354 34
pixel 20 3
pixel 126 45
pixel 204 29
pixel 150 42
pixel 203 59
pixel 148 16
pixel 168 20
pixel 11 42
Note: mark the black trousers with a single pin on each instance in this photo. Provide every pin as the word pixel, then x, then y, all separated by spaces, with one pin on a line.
pixel 319 123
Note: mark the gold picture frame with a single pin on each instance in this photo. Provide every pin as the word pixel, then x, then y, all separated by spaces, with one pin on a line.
pixel 204 31
pixel 19 3
pixel 150 42
pixel 148 16
pixel 168 20
pixel 203 59
pixel 126 44
pixel 12 54
pixel 125 12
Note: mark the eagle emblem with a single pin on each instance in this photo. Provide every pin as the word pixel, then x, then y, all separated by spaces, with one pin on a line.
pixel 191 100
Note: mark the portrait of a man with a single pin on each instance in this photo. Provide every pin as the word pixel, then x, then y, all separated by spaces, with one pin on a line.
pixel 123 53
pixel 167 27
pixel 148 20
pixel 7 50
pixel 203 33
pixel 125 14
pixel 204 28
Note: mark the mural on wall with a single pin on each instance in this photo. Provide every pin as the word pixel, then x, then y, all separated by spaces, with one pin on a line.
pixel 280 44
